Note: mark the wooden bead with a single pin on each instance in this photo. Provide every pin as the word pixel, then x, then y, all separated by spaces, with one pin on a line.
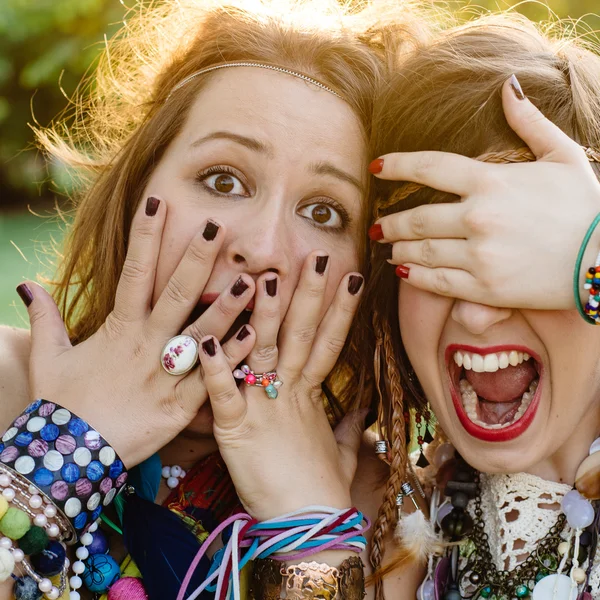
pixel 587 478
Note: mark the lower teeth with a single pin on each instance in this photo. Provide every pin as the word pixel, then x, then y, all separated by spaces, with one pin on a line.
pixel 469 400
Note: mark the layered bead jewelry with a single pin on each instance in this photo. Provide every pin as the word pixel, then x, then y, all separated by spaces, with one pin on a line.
pixel 464 567
pixel 269 381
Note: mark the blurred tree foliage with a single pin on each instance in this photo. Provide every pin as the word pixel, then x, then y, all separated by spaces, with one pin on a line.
pixel 47 45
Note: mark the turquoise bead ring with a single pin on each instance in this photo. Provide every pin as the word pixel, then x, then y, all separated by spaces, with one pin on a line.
pixel 268 380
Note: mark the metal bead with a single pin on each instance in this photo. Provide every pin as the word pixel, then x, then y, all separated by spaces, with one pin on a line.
pixel 474 578
pixel 459 500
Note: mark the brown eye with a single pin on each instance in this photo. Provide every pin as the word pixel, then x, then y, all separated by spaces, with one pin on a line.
pixel 321 213
pixel 224 183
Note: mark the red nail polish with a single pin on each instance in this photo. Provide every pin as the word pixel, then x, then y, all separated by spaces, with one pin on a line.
pixel 402 271
pixel 209 347
pixel 375 232
pixel 376 166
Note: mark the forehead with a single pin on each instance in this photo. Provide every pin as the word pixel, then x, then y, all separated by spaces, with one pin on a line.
pixel 292 116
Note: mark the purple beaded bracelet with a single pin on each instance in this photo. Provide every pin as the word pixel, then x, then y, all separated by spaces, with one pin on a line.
pixel 66 459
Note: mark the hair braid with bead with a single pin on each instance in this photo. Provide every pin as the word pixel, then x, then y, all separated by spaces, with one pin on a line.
pixel 387 515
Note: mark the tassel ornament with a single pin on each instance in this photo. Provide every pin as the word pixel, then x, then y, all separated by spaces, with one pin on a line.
pixel 415 533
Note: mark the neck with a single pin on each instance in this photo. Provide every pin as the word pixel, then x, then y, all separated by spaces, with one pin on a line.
pixel 187 449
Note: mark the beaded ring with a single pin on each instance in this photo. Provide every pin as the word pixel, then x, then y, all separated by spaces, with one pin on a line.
pixel 65 459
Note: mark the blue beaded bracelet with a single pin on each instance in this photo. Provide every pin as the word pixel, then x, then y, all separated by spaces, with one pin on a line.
pixel 66 459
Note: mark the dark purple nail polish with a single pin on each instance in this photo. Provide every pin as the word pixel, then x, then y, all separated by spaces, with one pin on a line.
pixel 387 251
pixel 25 294
pixel 210 231
pixel 239 287
pixel 152 206
pixel 354 284
pixel 271 287
pixel 209 347
pixel 321 264
pixel 516 87
pixel 243 334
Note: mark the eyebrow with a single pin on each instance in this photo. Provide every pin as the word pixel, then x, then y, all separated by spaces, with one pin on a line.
pixel 248 142
pixel 325 168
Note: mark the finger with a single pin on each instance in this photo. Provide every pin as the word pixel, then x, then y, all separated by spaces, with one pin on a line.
pixel 427 221
pixel 430 253
pixel 454 283
pixel 333 330
pixel 187 283
pixel 265 320
pixel 220 316
pixel 235 349
pixel 48 334
pixel 304 314
pixel 134 291
pixel 543 137
pixel 350 430
pixel 228 405
pixel 442 171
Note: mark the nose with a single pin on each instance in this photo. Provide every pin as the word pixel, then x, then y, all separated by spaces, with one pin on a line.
pixel 261 243
pixel 478 318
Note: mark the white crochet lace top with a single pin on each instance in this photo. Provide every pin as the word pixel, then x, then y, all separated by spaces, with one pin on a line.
pixel 518 511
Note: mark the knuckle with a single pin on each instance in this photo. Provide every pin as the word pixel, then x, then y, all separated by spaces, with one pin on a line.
pixel 305 335
pixel 224 310
pixel 266 353
pixel 197 253
pixel 477 221
pixel 114 325
pixel 224 395
pixel 133 269
pixel 427 253
pixel 144 229
pixel 424 164
pixel 313 291
pixel 196 331
pixel 176 291
pixel 335 344
pixel 441 285
pixel 417 222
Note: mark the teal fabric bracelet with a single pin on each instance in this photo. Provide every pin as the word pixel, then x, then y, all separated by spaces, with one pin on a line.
pixel 582 249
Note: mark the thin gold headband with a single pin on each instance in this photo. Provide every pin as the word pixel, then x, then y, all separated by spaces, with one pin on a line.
pixel 508 156
pixel 258 65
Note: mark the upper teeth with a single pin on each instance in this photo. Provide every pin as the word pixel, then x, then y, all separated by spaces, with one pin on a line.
pixel 489 363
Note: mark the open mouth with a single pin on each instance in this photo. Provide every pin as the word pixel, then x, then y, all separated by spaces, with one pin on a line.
pixel 495 391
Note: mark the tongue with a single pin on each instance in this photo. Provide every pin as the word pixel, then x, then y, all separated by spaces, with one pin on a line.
pixel 505 385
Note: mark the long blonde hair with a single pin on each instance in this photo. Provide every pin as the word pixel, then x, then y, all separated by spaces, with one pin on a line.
pixel 447 97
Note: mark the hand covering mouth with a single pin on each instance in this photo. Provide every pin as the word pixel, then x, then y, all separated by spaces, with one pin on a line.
pixel 497 388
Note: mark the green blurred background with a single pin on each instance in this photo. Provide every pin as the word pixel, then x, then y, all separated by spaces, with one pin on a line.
pixel 45 47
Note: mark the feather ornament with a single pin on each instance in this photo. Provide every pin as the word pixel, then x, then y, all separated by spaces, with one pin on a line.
pixel 416 537
pixel 162 548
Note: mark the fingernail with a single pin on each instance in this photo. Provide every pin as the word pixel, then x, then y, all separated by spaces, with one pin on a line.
pixel 375 232
pixel 25 294
pixel 243 334
pixel 210 231
pixel 321 264
pixel 152 206
pixel 239 287
pixel 387 251
pixel 516 87
pixel 402 271
pixel 354 284
pixel 209 347
pixel 376 166
pixel 271 287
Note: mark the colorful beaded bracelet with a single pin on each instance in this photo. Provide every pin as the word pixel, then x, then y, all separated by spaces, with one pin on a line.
pixel 68 461
pixel 584 310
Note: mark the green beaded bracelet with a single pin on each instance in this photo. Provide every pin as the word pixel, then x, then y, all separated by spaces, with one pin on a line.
pixel 578 262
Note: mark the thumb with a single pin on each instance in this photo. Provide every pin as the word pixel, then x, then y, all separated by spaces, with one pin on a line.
pixel 544 138
pixel 48 333
pixel 348 435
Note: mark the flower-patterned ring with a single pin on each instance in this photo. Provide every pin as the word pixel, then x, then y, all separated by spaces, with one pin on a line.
pixel 179 355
